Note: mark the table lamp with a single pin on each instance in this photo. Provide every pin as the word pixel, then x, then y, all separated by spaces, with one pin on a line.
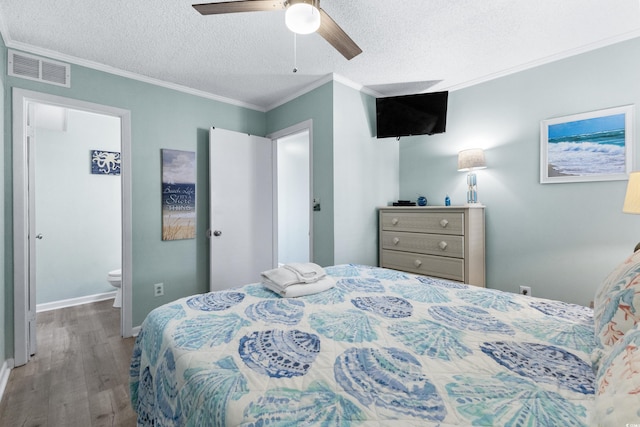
pixel 468 161
pixel 632 198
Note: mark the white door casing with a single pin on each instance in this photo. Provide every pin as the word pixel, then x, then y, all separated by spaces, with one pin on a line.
pixel 303 127
pixel 24 219
pixel 241 208
pixel 31 159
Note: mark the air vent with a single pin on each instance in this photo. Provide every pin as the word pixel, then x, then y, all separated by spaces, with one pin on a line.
pixel 39 69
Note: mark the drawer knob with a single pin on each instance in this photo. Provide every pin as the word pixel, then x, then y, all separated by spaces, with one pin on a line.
pixel 443 245
pixel 417 263
pixel 444 223
pixel 396 240
pixel 394 221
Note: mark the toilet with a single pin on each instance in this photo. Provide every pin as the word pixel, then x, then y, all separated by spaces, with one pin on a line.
pixel 115 278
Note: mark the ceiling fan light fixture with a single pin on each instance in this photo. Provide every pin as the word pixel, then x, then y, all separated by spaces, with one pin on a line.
pixel 302 17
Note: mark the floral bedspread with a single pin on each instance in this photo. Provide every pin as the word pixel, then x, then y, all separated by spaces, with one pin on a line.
pixel 382 348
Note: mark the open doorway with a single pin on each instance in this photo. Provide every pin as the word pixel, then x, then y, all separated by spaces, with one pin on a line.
pixel 30 170
pixel 293 157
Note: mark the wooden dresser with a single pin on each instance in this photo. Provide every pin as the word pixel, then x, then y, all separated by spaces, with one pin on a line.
pixel 439 241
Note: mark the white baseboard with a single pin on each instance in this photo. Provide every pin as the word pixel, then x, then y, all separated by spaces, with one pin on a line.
pixel 135 331
pixel 74 301
pixel 5 370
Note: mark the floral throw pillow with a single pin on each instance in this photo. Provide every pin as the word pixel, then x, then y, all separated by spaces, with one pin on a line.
pixel 617 401
pixel 617 306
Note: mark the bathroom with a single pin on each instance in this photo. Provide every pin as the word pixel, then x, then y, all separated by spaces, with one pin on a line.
pixel 77 209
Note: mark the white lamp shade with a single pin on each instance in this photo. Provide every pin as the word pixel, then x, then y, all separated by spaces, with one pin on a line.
pixel 632 198
pixel 471 159
pixel 302 18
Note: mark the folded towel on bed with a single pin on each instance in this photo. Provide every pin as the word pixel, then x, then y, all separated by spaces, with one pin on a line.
pixel 280 277
pixel 297 279
pixel 294 273
pixel 307 272
pixel 301 289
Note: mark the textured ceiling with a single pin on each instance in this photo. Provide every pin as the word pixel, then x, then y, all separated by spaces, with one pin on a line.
pixel 409 46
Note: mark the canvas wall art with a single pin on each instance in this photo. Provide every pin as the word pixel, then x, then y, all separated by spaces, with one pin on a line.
pixel 594 146
pixel 105 162
pixel 178 194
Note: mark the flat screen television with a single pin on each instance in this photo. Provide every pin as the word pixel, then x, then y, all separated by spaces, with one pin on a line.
pixel 421 114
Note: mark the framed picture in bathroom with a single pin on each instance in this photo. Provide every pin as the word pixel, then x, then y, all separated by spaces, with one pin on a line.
pixel 105 162
pixel 178 194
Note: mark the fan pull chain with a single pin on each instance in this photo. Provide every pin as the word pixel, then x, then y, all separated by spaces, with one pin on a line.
pixel 295 54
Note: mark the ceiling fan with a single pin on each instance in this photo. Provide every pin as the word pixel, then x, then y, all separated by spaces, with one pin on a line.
pixel 302 17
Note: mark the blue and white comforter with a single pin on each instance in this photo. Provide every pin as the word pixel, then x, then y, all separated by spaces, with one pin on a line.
pixel 382 348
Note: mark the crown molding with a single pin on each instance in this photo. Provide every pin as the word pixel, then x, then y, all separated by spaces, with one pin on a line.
pixel 10 44
pixel 314 85
pixel 546 60
pixel 118 72
pixel 321 81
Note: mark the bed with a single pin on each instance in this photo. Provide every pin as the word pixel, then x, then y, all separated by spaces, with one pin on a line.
pixel 385 348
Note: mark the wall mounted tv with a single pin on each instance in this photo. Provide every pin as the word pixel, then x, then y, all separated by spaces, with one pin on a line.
pixel 421 114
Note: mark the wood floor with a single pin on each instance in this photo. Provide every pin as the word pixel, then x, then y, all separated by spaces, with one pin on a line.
pixel 79 376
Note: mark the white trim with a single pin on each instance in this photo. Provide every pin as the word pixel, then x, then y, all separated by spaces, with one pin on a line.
pixel 126 315
pixel 9 43
pixel 135 331
pixel 47 306
pixel 128 74
pixel 306 125
pixel 357 86
pixel 542 61
pixel 5 370
pixel 4 30
pixel 307 89
pixel 21 99
pixel 20 231
pixel 325 79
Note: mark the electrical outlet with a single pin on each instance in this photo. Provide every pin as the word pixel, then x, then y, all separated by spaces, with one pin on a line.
pixel 158 289
pixel 525 290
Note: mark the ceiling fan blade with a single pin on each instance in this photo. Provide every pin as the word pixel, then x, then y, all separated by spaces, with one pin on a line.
pixel 239 6
pixel 336 36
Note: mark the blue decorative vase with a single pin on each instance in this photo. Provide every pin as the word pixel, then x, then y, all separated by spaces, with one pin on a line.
pixel 422 201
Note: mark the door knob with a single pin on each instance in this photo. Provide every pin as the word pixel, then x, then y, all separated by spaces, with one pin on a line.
pixel 217 233
pixel 39 236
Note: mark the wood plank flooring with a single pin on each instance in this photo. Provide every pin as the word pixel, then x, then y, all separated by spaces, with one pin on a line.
pixel 79 376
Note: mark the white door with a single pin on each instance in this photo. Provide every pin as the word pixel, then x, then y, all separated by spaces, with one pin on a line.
pixel 294 198
pixel 241 194
pixel 24 231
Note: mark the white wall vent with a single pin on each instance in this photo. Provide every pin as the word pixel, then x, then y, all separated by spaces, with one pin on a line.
pixel 39 69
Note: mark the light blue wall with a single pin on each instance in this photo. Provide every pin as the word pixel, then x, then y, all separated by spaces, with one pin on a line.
pixel 78 213
pixel 318 106
pixel 161 118
pixel 560 239
pixel 365 176
pixel 354 173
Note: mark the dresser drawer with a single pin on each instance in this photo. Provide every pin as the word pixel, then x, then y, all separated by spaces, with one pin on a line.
pixel 432 244
pixel 424 222
pixel 428 265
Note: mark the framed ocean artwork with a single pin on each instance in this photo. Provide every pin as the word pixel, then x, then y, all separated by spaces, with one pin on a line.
pixel 178 194
pixel 593 146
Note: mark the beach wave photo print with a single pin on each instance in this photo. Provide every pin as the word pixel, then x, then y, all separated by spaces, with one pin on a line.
pixel 593 146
